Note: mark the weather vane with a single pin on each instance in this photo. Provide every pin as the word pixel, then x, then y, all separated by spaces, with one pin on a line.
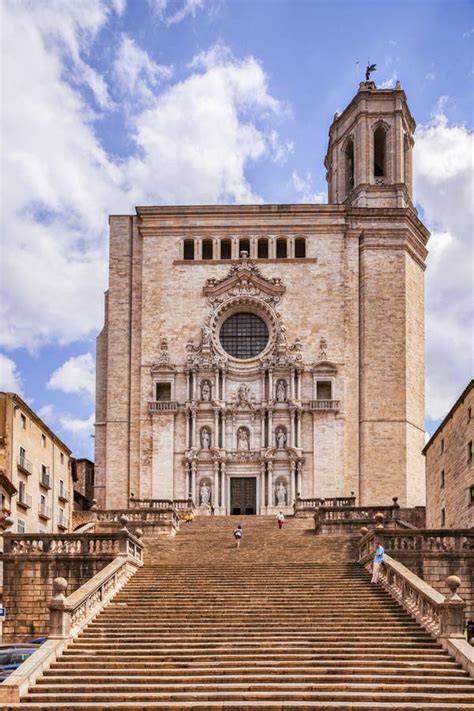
pixel 370 68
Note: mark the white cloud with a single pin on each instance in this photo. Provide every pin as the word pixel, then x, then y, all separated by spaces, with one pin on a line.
pixel 76 375
pixel 444 186
pixel 82 429
pixel 389 83
pixel 46 412
pixel 303 186
pixel 10 377
pixel 135 71
pixel 188 7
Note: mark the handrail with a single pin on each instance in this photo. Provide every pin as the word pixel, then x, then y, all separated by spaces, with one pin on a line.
pixel 72 544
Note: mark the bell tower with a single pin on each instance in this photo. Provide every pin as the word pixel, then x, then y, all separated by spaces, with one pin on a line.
pixel 369 156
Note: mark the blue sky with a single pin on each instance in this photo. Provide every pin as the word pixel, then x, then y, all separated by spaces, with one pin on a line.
pixel 106 105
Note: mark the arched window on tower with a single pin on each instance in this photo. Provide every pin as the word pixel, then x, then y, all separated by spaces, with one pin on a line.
pixel 349 165
pixel 281 251
pixel 262 249
pixel 226 249
pixel 188 251
pixel 300 247
pixel 207 249
pixel 380 136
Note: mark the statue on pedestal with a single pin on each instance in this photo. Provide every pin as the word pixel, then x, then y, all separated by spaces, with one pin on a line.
pixel 205 439
pixel 281 494
pixel 205 494
pixel 281 391
pixel 205 391
pixel 243 439
pixel 280 438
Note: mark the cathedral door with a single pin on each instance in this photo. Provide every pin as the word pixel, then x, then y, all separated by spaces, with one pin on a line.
pixel 243 496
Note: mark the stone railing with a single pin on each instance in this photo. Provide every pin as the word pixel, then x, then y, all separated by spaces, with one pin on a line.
pixel 441 615
pixel 426 540
pixel 150 520
pixel 162 406
pixel 72 544
pixel 69 615
pixel 151 503
pixel 325 405
pixel 349 519
pixel 313 504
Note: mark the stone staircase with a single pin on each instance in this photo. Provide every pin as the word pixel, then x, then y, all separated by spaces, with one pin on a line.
pixel 287 621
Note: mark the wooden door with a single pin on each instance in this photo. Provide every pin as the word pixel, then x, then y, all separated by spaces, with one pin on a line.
pixel 243 496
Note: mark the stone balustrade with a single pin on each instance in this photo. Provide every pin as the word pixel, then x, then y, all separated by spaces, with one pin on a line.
pixel 162 406
pixel 349 519
pixel 163 519
pixel 151 503
pixel 69 544
pixel 324 405
pixel 301 504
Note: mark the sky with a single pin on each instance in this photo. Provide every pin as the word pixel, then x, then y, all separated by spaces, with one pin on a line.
pixel 108 104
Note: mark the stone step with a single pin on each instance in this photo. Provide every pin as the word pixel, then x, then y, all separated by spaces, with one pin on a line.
pixel 426 705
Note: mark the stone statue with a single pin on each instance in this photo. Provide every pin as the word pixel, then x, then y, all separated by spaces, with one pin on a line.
pixel 243 439
pixel 243 393
pixel 281 494
pixel 205 391
pixel 205 494
pixel 205 439
pixel 370 68
pixel 280 438
pixel 281 391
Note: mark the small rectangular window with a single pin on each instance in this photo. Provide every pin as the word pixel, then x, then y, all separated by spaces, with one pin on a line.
pixel 300 248
pixel 61 457
pixel 443 517
pixel 471 495
pixel 23 422
pixel 442 446
pixel 442 479
pixel 469 451
pixel 207 249
pixel 324 390
pixel 43 440
pixel 469 414
pixel 20 525
pixel 226 249
pixel 188 249
pixel 163 391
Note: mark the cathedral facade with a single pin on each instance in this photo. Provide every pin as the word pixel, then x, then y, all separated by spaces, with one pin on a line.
pixel 251 354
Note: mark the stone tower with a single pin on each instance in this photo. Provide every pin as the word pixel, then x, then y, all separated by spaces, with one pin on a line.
pixel 369 159
pixel 251 353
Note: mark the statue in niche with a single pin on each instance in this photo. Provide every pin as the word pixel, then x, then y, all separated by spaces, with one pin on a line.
pixel 243 439
pixel 280 438
pixel 205 493
pixel 281 494
pixel 281 391
pixel 205 391
pixel 205 439
pixel 243 393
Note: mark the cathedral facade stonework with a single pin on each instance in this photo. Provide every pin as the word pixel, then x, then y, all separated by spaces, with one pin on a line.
pixel 253 353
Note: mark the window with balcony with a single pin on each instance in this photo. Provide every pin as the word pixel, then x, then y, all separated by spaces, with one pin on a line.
pixel 20 526
pixel 163 391
pixel 62 521
pixel 45 478
pixel 63 492
pixel 324 390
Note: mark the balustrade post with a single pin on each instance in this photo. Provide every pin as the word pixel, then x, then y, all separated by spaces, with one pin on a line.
pixel 59 613
pixel 452 611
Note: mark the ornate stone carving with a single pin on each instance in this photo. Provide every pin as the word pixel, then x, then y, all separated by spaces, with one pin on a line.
pixel 243 439
pixel 205 493
pixel 205 438
pixel 280 437
pixel 281 494
pixel 206 391
pixel 280 391
pixel 163 362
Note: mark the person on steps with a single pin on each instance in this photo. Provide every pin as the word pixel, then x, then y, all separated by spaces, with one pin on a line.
pixel 238 535
pixel 378 559
pixel 280 519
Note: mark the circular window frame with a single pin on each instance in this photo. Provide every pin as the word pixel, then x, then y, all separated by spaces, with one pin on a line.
pixel 244 305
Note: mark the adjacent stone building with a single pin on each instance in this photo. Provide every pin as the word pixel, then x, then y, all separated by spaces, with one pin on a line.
pixel 450 467
pixel 83 481
pixel 35 472
pixel 253 352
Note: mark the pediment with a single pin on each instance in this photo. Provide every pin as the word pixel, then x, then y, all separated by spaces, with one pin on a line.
pixel 244 279
pixel 324 367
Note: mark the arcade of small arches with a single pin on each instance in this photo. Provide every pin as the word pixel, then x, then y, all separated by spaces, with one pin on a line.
pixel 228 248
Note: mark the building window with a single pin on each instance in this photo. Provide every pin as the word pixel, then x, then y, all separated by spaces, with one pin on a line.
pixel 244 335
pixel 244 246
pixel 443 517
pixel 469 414
pixel 23 422
pixel 188 250
pixel 300 248
pixel 20 526
pixel 62 489
pixel 469 451
pixel 471 495
pixel 226 249
pixel 442 479
pixel 163 391
pixel 281 252
pixel 62 519
pixel 207 249
pixel 349 166
pixel 61 457
pixel 379 152
pixel 442 446
pixel 262 249
pixel 324 390
pixel 43 441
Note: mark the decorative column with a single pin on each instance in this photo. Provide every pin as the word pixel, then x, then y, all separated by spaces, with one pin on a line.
pixel 292 384
pixel 270 497
pixel 215 440
pixel 292 428
pixel 298 428
pixel 292 496
pixel 270 442
pixel 223 385
pixel 270 384
pixel 188 387
pixel 300 377
pixel 299 465
pixel 262 428
pixel 194 395
pixel 223 487
pixel 187 474
pixel 264 378
pixel 194 429
pixel 193 481
pixel 215 493
pixel 188 443
pixel 216 384
pixel 262 483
